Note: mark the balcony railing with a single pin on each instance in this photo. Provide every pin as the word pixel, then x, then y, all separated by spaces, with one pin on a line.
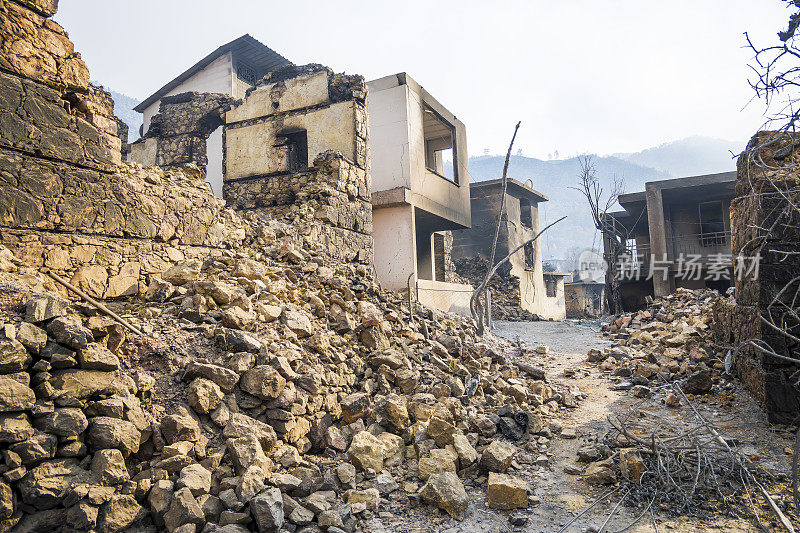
pixel 705 245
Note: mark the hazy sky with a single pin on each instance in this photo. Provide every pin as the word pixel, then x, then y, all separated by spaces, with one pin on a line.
pixel 582 76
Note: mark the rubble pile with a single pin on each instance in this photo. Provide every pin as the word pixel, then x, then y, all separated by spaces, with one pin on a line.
pixel 269 390
pixel 275 387
pixel 504 287
pixel 669 341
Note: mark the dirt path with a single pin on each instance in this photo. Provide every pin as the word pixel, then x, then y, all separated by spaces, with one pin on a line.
pixel 562 496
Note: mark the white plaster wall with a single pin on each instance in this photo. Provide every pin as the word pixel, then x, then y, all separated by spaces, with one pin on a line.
pixel 397 148
pixel 218 77
pixel 393 233
pixel 249 148
pixel 388 135
pixel 295 93
pixel 214 168
pixel 447 297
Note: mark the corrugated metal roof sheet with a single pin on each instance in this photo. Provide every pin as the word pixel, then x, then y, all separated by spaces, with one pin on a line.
pixel 246 48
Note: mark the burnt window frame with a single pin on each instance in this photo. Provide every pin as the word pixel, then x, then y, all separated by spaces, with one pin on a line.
pixel 526 212
pixel 243 70
pixel 295 137
pixel 551 281
pixel 710 239
pixel 426 108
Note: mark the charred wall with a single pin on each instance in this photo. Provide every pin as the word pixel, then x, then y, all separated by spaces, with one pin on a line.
pixel 66 202
pixel 765 223
pixel 314 170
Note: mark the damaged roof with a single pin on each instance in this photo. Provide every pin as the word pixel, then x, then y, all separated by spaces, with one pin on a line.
pixel 246 47
pixel 520 188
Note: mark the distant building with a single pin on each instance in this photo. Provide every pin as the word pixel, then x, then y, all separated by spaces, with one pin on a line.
pixel 677 233
pixel 231 69
pixel 541 293
pixel 583 299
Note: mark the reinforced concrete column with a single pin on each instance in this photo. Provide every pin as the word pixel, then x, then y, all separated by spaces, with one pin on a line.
pixel 658 241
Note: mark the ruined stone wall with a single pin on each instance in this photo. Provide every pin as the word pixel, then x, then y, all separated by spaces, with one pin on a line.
pixel 122 133
pixel 765 224
pixel 182 126
pixel 328 198
pixel 66 203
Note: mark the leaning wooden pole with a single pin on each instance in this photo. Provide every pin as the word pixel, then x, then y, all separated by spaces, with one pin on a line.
pixel 121 321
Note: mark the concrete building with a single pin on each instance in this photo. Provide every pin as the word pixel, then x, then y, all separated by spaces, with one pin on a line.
pixel 583 298
pixel 420 188
pixel 231 69
pixel 539 292
pixel 677 233
pixel 418 162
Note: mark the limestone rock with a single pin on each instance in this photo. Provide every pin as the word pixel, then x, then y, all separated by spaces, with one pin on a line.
pixel 447 492
pixel 179 427
pixel 298 322
pixel 370 498
pixel 251 482
pixel 224 377
pixel 497 456
pixel 466 453
pixel 182 273
pixel 245 452
pixel 69 331
pixel 428 466
pixel 15 427
pixel 119 513
pixel 108 466
pixel 13 355
pixel 195 478
pixel 183 509
pixel 46 485
pixel 441 430
pixel 267 510
pixel 82 384
pixel 64 422
pixel 263 382
pixel 204 395
pixel 6 501
pixel 240 425
pixel 698 383
pixel 631 465
pixel 600 473
pixel 44 307
pixel 366 451
pixel 14 396
pixel 355 406
pixel 393 448
pixel 105 432
pixel 507 492
pixel 97 357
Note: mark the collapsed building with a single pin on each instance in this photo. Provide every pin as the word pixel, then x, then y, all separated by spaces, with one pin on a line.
pixel 676 233
pixel 583 298
pixel 231 70
pixel 525 290
pixel 420 191
pixel 263 349
pixel 301 115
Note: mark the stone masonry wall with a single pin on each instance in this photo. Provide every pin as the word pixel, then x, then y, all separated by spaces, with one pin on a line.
pixel 328 203
pixel 183 124
pixel 763 224
pixel 331 198
pixel 66 203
